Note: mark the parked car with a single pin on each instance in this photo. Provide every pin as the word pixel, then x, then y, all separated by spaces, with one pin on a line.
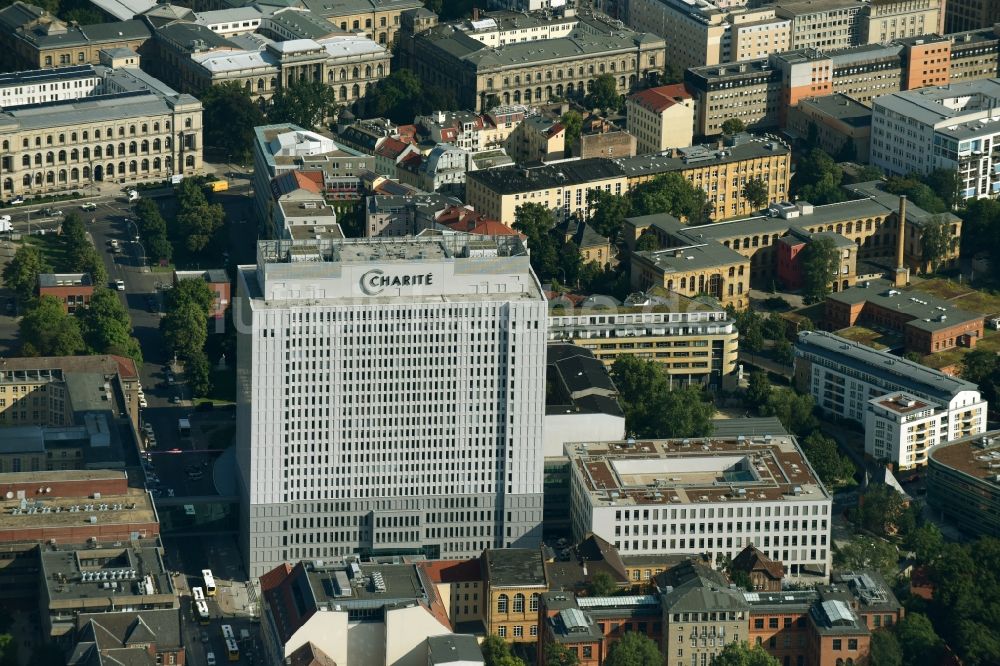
pixel 175 399
pixel 16 201
pixel 51 212
pixel 113 243
pixel 90 205
pixel 142 402
pixel 133 195
pixel 120 285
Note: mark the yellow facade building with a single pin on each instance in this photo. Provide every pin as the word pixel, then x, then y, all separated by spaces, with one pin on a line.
pixel 515 579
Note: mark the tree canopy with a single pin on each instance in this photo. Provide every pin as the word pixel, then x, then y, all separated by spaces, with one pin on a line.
pixel 557 654
pixel 305 103
pixel 401 96
pixel 917 190
pixel 820 265
pixel 755 192
pixel 496 652
pixel 601 584
pixel 604 94
pixel 741 654
pixel 981 231
pixel 670 193
pixel 935 241
pixel 634 649
pixel 817 178
pixel 572 122
pixel 47 330
pixel 982 368
pixel 732 126
pixel 864 552
pixel 653 408
pixel 106 327
pixel 607 213
pixel 822 453
pixel 21 274
pixel 230 114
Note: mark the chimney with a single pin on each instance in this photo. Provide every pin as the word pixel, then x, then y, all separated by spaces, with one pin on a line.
pixel 902 276
pixel 475 13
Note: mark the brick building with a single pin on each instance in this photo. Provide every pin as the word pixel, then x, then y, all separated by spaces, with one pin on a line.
pixel 72 289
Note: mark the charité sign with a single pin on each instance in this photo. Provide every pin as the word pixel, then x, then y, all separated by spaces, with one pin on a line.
pixel 375 280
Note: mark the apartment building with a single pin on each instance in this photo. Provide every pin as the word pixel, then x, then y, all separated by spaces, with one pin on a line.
pixel 661 118
pixel 963 483
pixel 693 340
pixel 489 61
pixel 721 171
pixel 896 396
pixel 32 38
pixel 72 289
pixel 135 129
pixel 356 286
pixel 650 497
pixel 841 125
pixel 885 20
pixel 951 127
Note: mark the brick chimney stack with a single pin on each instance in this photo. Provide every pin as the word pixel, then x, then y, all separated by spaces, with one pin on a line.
pixel 902 276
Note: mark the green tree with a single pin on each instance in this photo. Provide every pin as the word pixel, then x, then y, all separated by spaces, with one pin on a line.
pixel 741 654
pixel 198 373
pixel 885 650
pixel 185 329
pixel 48 654
pixel 920 643
pixel 732 126
pixel 21 274
pixel 945 184
pixel 880 510
pixel 783 352
pixel 817 178
pixel 926 541
pixel 652 408
pixel 981 230
pixel 867 173
pixel 982 367
pixel 672 73
pixel 604 94
pixel 47 330
pixel 820 264
pixel 935 241
pixel 864 552
pixel 753 336
pixel 758 389
pixel 572 121
pixel 821 452
pixel 775 327
pixel 755 192
pixel 601 584
pixel 647 241
pixel 8 650
pixel 106 327
pixel 496 652
pixel 200 226
pixel 536 222
pixel 304 103
pixel 795 411
pixel 634 649
pixel 670 193
pixel 557 654
pixel 607 213
pixel 229 115
pixel 917 191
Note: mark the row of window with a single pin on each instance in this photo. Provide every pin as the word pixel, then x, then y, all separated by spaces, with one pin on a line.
pixel 133 130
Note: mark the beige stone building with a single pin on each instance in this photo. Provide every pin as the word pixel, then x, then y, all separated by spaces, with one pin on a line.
pixel 137 130
pixel 843 126
pixel 32 38
pixel 485 68
pixel 758 33
pixel 497 193
pixel 962 15
pixel 197 51
pixel 709 269
pixel 537 139
pixel 886 20
pixel 661 118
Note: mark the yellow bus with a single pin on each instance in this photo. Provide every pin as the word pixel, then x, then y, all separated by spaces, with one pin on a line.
pixel 197 594
pixel 232 650
pixel 227 633
pixel 206 575
pixel 201 612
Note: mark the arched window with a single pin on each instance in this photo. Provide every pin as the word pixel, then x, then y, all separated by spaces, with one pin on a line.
pixel 38 159
pixel 50 178
pixel 121 131
pixel 187 123
pixel 144 147
pixel 189 161
pixel 27 180
pixel 356 73
pixel 260 84
pixel 97 134
pixel 26 160
pixel 74 155
pixel 343 92
pixel 74 174
pixel 121 149
pixel 133 166
pixel 62 155
pixel 145 165
pixel 518 603
pixel 533 604
pixel 25 144
pixel 156 145
pixel 380 71
pixel 502 601
pixel 368 71
pixel 356 91
pixel 131 129
pixel 86 172
pixel 50 157
pixel 97 152
pixel 156 164
pixel 133 148
pixel 62 175
pixel 145 128
pixel 156 127
pixel 62 138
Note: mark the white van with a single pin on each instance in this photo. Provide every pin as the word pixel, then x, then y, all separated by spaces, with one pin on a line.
pixel 133 195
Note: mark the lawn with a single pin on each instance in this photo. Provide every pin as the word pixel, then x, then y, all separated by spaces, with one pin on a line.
pixel 865 336
pixel 985 302
pixel 942 288
pixel 990 342
pixel 53 248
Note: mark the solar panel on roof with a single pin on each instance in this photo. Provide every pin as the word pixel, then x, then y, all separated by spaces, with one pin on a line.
pixel 573 618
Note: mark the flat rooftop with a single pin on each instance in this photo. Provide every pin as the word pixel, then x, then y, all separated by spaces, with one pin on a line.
pixel 977 456
pixel 410 248
pixel 99 573
pixel 842 108
pixel 515 567
pixel 692 257
pixel 927 312
pixel 694 157
pixel 688 471
pixel 134 507
pixel 902 403
pixel 366 586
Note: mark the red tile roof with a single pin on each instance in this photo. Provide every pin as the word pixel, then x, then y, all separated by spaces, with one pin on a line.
pixel 659 99
pixel 391 148
pixel 750 559
pixel 453 571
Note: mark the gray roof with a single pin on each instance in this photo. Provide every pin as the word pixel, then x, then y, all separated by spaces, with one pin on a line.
pixel 451 648
pixel 914 213
pixel 44 75
pixel 700 156
pixel 926 105
pixel 574 370
pixel 327 8
pixel 509 180
pixel 887 370
pixel 701 594
pixel 929 313
pixel 64 279
pixel 161 627
pixel 515 567
pixel 51 32
pixel 692 257
pixel 764 425
pixel 843 108
pixel 22 439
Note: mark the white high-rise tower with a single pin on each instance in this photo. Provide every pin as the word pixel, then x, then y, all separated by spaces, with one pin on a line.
pixel 391 398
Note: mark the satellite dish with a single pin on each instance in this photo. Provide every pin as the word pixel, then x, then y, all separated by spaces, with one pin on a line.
pixel 48 489
pixel 9 495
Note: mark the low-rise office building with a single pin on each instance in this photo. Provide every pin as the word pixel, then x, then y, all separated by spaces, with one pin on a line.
pixel 508 58
pixel 693 339
pixel 845 377
pixel 663 496
pixel 72 289
pixel 963 483
pixel 971 14
pixel 134 129
pixel 928 324
pixel 841 125
pixel 514 580
pixel 48 85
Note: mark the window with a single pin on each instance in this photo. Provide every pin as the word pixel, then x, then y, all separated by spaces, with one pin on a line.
pixel 838 644
pixel 502 631
pixel 502 602
pixel 852 643
pixel 518 603
pixel 533 604
pixel 518 631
